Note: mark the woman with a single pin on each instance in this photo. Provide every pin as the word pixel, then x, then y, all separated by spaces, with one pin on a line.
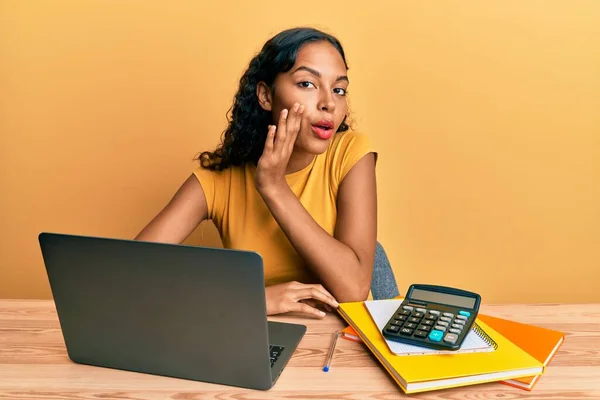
pixel 289 180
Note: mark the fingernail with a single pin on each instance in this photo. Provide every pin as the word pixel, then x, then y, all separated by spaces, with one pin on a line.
pixel 336 303
pixel 284 113
pixel 296 107
pixel 321 313
pixel 301 109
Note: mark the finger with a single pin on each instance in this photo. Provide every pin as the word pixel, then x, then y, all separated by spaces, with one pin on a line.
pixel 306 309
pixel 311 302
pixel 269 143
pixel 318 305
pixel 328 308
pixel 290 124
pixel 325 292
pixel 292 118
pixel 281 127
pixel 313 293
pixel 293 133
pixel 297 285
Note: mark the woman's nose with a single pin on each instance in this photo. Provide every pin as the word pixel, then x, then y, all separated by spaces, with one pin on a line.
pixel 326 102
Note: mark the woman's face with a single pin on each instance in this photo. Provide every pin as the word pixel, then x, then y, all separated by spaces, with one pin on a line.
pixel 318 81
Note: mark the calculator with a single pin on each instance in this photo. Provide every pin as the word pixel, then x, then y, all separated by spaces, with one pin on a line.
pixel 432 316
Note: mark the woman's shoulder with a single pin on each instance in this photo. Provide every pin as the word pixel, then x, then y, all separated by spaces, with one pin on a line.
pixel 349 139
pixel 219 183
pixel 349 145
pixel 226 174
pixel 345 150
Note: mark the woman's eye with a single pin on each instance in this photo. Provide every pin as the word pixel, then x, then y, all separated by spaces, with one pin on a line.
pixel 340 91
pixel 305 84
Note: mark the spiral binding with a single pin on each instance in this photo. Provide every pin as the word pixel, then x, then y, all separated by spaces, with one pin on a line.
pixel 484 336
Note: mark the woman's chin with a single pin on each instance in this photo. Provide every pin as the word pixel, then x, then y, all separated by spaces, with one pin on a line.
pixel 310 143
pixel 318 146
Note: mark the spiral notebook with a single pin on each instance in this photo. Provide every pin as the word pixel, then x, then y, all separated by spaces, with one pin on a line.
pixel 382 310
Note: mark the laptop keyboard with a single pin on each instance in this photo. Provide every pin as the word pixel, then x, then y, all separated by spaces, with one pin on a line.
pixel 274 353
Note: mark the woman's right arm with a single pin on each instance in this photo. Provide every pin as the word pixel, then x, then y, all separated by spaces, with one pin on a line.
pixel 174 223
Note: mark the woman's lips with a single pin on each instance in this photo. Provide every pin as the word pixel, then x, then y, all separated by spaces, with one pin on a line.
pixel 322 132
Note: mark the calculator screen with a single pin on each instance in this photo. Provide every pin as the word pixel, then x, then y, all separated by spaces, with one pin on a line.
pixel 443 298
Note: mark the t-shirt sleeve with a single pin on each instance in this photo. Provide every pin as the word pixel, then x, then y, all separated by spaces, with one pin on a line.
pixel 211 184
pixel 352 147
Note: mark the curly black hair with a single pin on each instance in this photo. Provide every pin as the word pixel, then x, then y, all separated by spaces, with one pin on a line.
pixel 244 139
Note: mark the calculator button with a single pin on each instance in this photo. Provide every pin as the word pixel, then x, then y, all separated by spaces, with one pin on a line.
pixel 434 312
pixel 427 322
pixel 440 328
pixel 392 328
pixel 413 319
pixel 418 315
pixel 406 331
pixel 421 310
pixel 401 318
pixel 442 323
pixel 410 325
pixel 407 308
pixel 446 319
pixel 459 321
pixel 458 326
pixel 426 328
pixel 457 331
pixel 465 313
pixel 431 317
pixel 462 317
pixel 436 336
pixel 451 338
pixel 404 313
pixel 398 321
pixel 421 334
pixel 447 314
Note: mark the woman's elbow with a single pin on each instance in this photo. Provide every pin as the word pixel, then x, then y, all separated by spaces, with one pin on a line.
pixel 357 293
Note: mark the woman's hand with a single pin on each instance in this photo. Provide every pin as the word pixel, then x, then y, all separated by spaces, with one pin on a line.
pixel 295 296
pixel 270 171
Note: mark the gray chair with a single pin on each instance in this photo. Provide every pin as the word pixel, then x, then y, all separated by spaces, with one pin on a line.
pixel 383 284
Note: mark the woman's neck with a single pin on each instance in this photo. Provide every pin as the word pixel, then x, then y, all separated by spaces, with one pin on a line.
pixel 298 161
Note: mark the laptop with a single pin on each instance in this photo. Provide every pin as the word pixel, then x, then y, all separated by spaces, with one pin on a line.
pixel 181 311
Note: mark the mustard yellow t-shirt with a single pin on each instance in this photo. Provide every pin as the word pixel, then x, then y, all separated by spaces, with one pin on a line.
pixel 245 222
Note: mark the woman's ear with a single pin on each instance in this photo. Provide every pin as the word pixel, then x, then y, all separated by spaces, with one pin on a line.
pixel 263 93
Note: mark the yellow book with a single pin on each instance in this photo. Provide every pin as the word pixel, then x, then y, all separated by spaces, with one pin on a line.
pixel 425 373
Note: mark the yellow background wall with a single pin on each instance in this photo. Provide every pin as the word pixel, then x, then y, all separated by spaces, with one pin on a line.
pixel 486 115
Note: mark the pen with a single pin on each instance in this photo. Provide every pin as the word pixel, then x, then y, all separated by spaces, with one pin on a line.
pixel 336 334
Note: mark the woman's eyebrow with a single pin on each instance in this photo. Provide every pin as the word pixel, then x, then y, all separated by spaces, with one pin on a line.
pixel 318 74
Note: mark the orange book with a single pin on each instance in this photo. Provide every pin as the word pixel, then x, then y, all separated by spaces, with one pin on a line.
pixel 540 343
pixel 350 334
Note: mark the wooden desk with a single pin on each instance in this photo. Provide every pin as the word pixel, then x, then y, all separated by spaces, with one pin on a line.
pixel 34 363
